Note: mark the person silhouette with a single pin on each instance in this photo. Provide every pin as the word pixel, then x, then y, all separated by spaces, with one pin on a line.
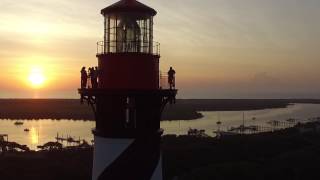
pixel 96 76
pixel 171 78
pixel 84 77
pixel 91 75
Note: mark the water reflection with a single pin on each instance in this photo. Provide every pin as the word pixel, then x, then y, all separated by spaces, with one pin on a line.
pixel 34 136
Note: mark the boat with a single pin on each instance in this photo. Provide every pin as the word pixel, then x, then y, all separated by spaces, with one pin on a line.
pixel 18 123
pixel 291 120
pixel 26 130
pixel 225 133
pixel 274 123
pixel 197 133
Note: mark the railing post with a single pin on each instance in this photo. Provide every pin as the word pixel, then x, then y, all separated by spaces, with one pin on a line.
pixel 108 37
pixel 97 47
pixel 151 36
pixel 105 35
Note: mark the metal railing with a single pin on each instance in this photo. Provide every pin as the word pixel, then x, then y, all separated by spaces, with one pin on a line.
pixel 128 47
pixel 163 82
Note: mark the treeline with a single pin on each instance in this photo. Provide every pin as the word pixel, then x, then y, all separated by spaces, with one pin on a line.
pixel 184 109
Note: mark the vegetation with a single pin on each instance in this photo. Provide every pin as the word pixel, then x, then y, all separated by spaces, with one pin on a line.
pixel 286 154
pixel 49 165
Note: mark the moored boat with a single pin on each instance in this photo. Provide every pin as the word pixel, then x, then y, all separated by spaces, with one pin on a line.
pixel 18 123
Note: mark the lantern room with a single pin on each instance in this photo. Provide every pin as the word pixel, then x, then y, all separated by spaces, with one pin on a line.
pixel 128 28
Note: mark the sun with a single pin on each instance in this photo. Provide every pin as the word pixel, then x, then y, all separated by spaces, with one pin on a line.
pixel 36 77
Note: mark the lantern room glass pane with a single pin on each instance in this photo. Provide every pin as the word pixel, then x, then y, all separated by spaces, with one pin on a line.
pixel 128 32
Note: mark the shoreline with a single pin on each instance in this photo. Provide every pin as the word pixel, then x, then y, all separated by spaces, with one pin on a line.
pixel 184 109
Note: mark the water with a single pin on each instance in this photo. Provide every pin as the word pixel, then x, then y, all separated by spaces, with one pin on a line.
pixel 42 131
pixel 301 112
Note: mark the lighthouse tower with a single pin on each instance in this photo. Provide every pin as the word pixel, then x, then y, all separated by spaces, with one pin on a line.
pixel 129 97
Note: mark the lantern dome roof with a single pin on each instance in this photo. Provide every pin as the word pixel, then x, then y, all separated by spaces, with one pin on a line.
pixel 128 6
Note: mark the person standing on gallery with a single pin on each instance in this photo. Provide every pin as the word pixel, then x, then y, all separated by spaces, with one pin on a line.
pixel 171 78
pixel 84 77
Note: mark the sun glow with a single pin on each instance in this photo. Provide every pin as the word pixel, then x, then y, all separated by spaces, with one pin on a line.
pixel 36 77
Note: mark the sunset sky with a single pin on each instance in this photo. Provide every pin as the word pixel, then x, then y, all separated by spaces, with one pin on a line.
pixel 219 48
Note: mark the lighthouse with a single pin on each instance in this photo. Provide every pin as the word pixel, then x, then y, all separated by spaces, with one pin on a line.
pixel 129 97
